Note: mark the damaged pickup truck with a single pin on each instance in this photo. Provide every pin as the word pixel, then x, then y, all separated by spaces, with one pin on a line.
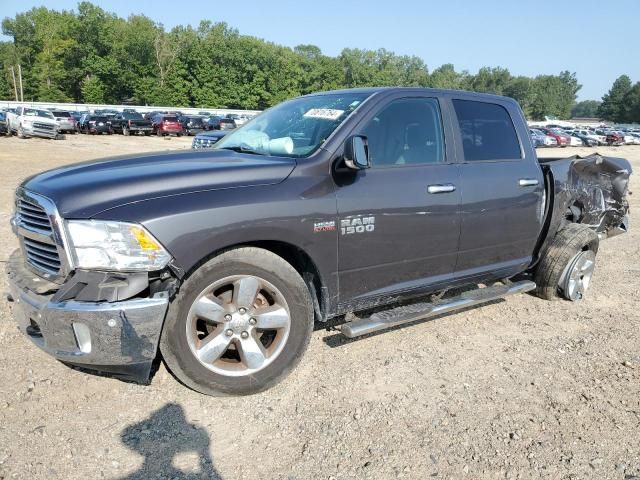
pixel 394 204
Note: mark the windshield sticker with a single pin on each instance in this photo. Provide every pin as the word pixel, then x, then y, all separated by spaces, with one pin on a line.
pixel 326 113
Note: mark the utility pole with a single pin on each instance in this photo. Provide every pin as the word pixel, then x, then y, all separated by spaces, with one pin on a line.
pixel 20 77
pixel 15 87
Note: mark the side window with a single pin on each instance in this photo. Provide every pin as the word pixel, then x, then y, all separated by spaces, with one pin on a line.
pixel 407 131
pixel 487 131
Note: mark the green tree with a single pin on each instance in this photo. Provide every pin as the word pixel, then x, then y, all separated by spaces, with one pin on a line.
pixel 93 90
pixel 613 103
pixel 585 109
pixel 632 105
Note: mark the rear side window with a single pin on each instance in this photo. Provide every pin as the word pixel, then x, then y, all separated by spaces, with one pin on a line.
pixel 487 131
pixel 407 131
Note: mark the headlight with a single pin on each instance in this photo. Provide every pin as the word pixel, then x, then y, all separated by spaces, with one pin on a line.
pixel 96 244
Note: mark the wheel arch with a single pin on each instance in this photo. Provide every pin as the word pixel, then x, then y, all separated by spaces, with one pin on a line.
pixel 297 257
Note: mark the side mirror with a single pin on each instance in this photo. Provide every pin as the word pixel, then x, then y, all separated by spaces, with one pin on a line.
pixel 356 153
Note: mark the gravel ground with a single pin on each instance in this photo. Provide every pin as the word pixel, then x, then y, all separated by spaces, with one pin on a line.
pixel 521 388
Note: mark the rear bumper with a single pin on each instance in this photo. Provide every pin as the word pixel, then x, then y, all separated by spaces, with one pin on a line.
pixel 115 337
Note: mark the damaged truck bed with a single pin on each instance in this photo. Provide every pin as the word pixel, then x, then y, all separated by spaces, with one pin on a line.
pixel 588 190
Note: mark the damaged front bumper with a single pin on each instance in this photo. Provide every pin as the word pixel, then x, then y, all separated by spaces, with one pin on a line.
pixel 120 337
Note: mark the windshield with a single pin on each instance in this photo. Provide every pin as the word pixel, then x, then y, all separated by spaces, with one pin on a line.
pixel 296 128
pixel 30 112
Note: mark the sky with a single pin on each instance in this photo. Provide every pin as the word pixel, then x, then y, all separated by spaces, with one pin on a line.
pixel 596 39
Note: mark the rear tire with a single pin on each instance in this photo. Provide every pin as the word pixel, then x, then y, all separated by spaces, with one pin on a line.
pixel 565 257
pixel 234 370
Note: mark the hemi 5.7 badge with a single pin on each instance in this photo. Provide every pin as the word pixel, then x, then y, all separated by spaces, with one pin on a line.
pixel 324 226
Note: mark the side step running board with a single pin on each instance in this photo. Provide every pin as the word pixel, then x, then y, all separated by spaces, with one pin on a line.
pixel 420 311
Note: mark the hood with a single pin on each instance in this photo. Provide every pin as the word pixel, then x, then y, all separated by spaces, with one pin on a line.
pixel 83 190
pixel 33 118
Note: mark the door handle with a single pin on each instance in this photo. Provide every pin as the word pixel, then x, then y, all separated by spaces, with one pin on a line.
pixel 443 188
pixel 528 182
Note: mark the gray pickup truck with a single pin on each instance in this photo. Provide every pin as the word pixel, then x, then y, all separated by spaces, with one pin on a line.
pixel 390 204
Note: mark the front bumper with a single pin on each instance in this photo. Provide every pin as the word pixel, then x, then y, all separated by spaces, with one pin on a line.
pixel 114 337
pixel 35 131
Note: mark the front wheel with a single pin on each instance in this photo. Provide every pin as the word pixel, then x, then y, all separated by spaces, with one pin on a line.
pixel 239 324
pixel 566 268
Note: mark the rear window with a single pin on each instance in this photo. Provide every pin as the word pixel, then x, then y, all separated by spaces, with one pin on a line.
pixel 132 116
pixel 99 119
pixel 170 119
pixel 487 131
pixel 61 114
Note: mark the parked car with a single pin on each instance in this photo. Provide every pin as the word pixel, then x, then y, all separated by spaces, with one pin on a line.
pixel 227 123
pixel 213 123
pixel 192 125
pixel 167 125
pixel 296 218
pixel 3 123
pixel 207 139
pixel 575 141
pixel 95 124
pixel 630 139
pixel 562 138
pixel 590 134
pixel 585 140
pixel 540 139
pixel 66 122
pixel 32 122
pixel 615 138
pixel 76 117
pixel 129 123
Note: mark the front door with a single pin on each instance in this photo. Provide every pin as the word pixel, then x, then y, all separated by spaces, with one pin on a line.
pixel 398 220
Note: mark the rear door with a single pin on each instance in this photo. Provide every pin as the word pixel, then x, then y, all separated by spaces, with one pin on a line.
pixel 398 220
pixel 501 186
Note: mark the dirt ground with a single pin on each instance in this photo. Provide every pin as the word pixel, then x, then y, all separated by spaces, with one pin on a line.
pixel 517 389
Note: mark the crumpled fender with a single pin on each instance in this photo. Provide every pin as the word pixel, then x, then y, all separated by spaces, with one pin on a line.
pixel 589 190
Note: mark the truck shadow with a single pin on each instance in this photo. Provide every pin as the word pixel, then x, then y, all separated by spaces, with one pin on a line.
pixel 161 438
pixel 339 340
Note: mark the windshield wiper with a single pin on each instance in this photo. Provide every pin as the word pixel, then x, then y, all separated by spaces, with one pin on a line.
pixel 242 149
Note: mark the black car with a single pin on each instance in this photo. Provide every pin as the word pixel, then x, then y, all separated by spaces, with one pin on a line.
pixel 192 125
pixel 213 123
pixel 129 123
pixel 95 124
pixel 3 123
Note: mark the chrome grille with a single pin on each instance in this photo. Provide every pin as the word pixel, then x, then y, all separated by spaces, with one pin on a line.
pixel 39 229
pixel 43 126
pixel 33 216
pixel 42 256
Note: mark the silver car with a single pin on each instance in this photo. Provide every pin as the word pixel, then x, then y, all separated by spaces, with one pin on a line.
pixel 66 122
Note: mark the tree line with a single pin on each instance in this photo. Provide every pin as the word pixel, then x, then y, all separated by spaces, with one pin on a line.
pixel 94 56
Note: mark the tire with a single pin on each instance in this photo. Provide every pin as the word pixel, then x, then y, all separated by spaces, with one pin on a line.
pixel 567 247
pixel 159 133
pixel 21 132
pixel 126 132
pixel 221 377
